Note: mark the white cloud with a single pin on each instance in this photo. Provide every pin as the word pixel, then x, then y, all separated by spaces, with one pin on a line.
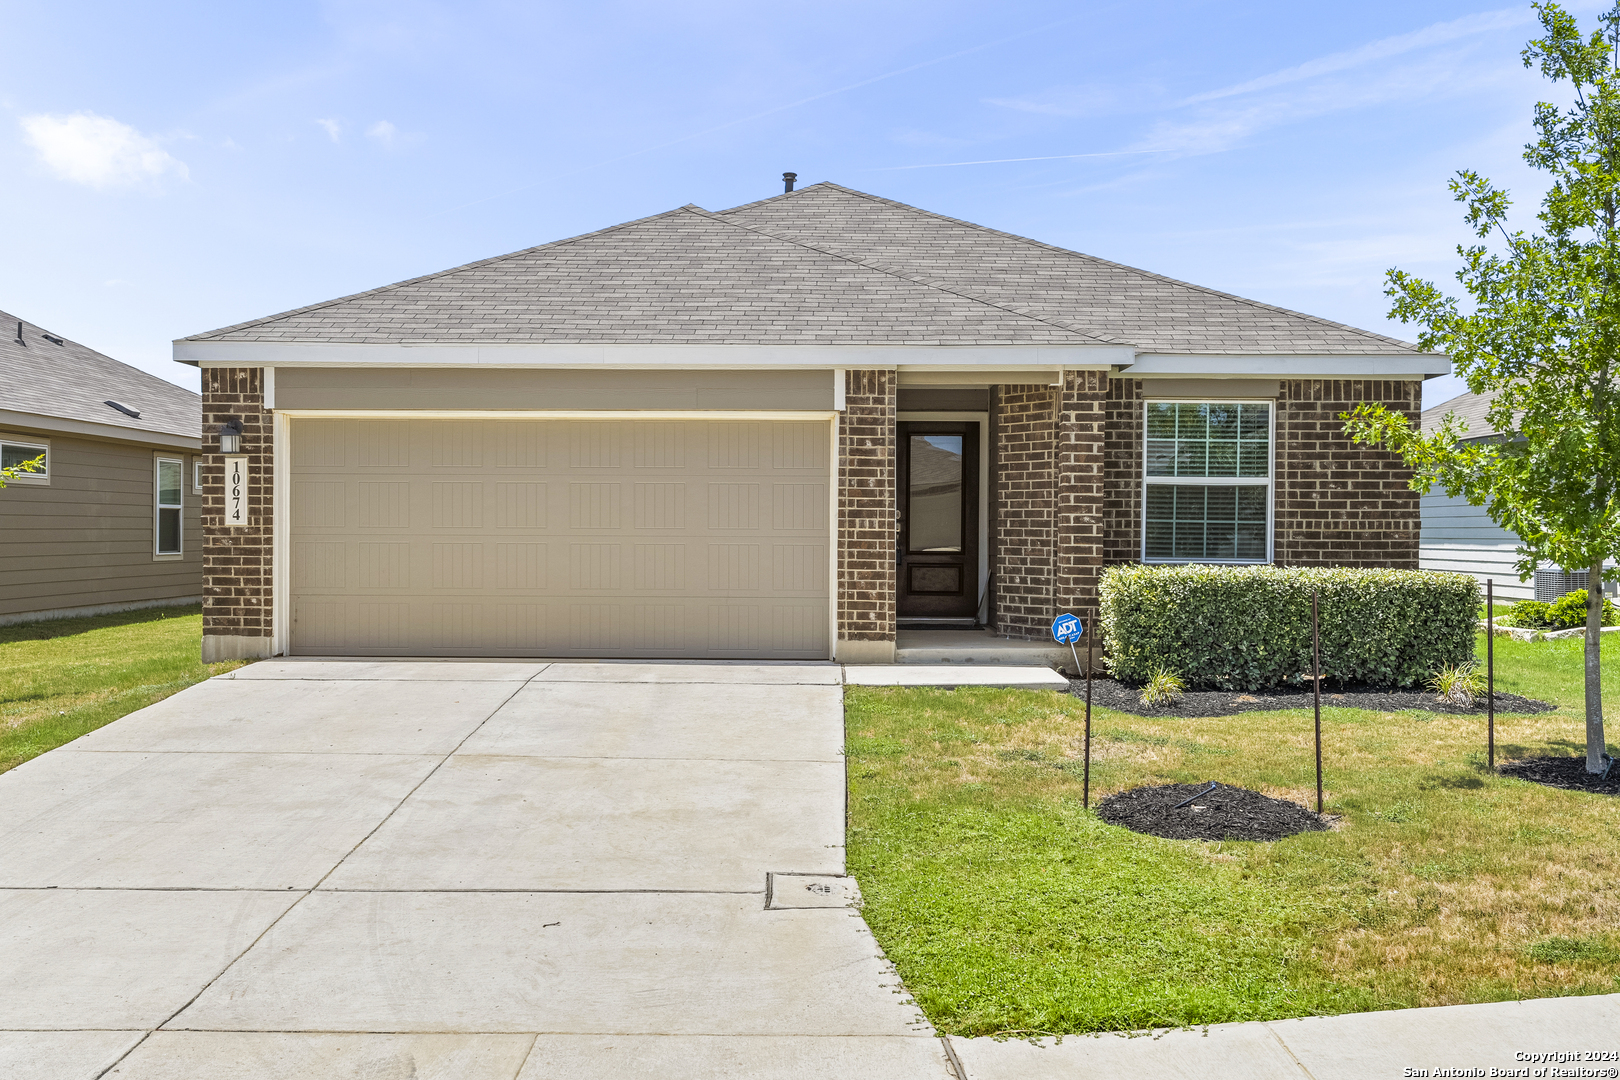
pixel 383 132
pixel 333 128
pixel 98 151
pixel 1221 125
pixel 1436 34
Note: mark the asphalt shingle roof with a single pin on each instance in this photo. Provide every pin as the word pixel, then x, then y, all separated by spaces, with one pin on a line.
pixel 1470 408
pixel 822 266
pixel 73 382
pixel 1115 302
pixel 686 276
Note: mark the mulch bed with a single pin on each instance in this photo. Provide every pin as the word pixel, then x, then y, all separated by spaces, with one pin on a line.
pixel 1125 698
pixel 1226 813
pixel 1564 772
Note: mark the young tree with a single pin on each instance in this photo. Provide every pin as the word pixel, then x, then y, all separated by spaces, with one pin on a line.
pixel 1542 338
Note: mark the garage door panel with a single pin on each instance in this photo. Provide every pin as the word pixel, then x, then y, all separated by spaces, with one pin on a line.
pixel 560 538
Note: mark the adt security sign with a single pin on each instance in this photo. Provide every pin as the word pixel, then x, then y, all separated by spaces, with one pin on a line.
pixel 1066 629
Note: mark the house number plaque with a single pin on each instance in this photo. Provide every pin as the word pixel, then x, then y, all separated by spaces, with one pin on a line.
pixel 236 489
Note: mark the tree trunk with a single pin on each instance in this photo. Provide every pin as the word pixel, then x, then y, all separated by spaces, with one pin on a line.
pixel 1595 746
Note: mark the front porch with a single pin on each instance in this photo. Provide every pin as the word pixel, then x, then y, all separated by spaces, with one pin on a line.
pixel 969 516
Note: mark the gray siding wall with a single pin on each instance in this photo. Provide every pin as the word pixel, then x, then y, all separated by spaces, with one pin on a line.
pixel 363 389
pixel 86 538
pixel 1462 538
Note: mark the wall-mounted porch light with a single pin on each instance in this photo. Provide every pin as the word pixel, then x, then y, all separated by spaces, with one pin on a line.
pixel 230 436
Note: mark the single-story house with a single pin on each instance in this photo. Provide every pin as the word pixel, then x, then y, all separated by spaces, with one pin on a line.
pixel 783 430
pixel 1463 538
pixel 112 522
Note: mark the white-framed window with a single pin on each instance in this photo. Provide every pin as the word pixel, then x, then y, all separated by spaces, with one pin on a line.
pixel 1206 481
pixel 196 475
pixel 14 452
pixel 169 510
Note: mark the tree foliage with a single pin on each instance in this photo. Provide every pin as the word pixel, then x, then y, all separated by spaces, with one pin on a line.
pixel 11 472
pixel 1541 335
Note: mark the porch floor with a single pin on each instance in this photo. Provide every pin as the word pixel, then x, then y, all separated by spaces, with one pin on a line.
pixel 976 647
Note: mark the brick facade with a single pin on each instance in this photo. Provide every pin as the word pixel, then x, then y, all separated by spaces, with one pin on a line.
pixel 1066 475
pixel 1024 473
pixel 866 509
pixel 1122 473
pixel 237 560
pixel 1069 488
pixel 1082 426
pixel 1338 504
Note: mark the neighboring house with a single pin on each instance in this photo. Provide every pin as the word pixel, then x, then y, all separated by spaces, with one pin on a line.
pixel 733 435
pixel 1463 538
pixel 112 523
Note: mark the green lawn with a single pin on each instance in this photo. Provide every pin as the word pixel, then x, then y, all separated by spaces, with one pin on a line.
pixel 1008 908
pixel 62 678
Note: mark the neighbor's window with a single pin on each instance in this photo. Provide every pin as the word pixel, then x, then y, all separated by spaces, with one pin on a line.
pixel 13 454
pixel 196 475
pixel 170 477
pixel 1207 482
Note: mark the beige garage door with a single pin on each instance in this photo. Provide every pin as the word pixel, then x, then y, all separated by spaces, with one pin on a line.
pixel 689 538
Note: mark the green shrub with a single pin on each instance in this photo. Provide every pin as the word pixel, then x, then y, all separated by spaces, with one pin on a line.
pixel 1528 615
pixel 1249 627
pixel 1569 611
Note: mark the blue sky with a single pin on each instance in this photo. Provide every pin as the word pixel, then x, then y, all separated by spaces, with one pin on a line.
pixel 168 168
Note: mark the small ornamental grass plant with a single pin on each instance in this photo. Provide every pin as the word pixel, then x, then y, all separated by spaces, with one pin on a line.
pixel 1163 687
pixel 1249 627
pixel 1460 684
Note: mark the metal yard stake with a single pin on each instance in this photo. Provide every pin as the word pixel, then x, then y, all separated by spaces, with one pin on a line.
pixel 1316 685
pixel 1490 672
pixel 1066 630
pixel 1086 788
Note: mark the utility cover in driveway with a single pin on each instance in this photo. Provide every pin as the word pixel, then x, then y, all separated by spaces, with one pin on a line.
pixel 659 538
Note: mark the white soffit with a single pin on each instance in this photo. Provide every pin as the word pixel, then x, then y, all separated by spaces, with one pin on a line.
pixel 973 378
pixel 927 357
pixel 1410 366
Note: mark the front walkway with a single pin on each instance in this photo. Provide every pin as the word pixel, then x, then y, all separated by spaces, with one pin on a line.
pixel 448 870
pixel 1548 1037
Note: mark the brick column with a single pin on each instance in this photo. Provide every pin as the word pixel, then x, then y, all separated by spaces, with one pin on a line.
pixel 1081 451
pixel 1025 477
pixel 237 560
pixel 1122 473
pixel 866 518
pixel 1338 504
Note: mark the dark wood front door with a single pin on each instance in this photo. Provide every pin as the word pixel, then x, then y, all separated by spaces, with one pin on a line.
pixel 939 520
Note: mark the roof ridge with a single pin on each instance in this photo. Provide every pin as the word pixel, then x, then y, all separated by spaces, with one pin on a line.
pixel 785 195
pixel 895 273
pixel 207 334
pixel 1089 258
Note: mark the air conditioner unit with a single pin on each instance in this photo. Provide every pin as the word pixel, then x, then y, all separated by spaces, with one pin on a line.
pixel 1553 583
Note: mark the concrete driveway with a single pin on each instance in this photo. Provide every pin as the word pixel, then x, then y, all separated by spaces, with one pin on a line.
pixel 448 870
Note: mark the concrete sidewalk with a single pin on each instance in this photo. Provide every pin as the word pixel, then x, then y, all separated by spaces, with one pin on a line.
pixel 1513 1038
pixel 458 871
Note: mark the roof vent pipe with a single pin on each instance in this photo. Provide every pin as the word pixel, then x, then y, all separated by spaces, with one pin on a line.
pixel 787 181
